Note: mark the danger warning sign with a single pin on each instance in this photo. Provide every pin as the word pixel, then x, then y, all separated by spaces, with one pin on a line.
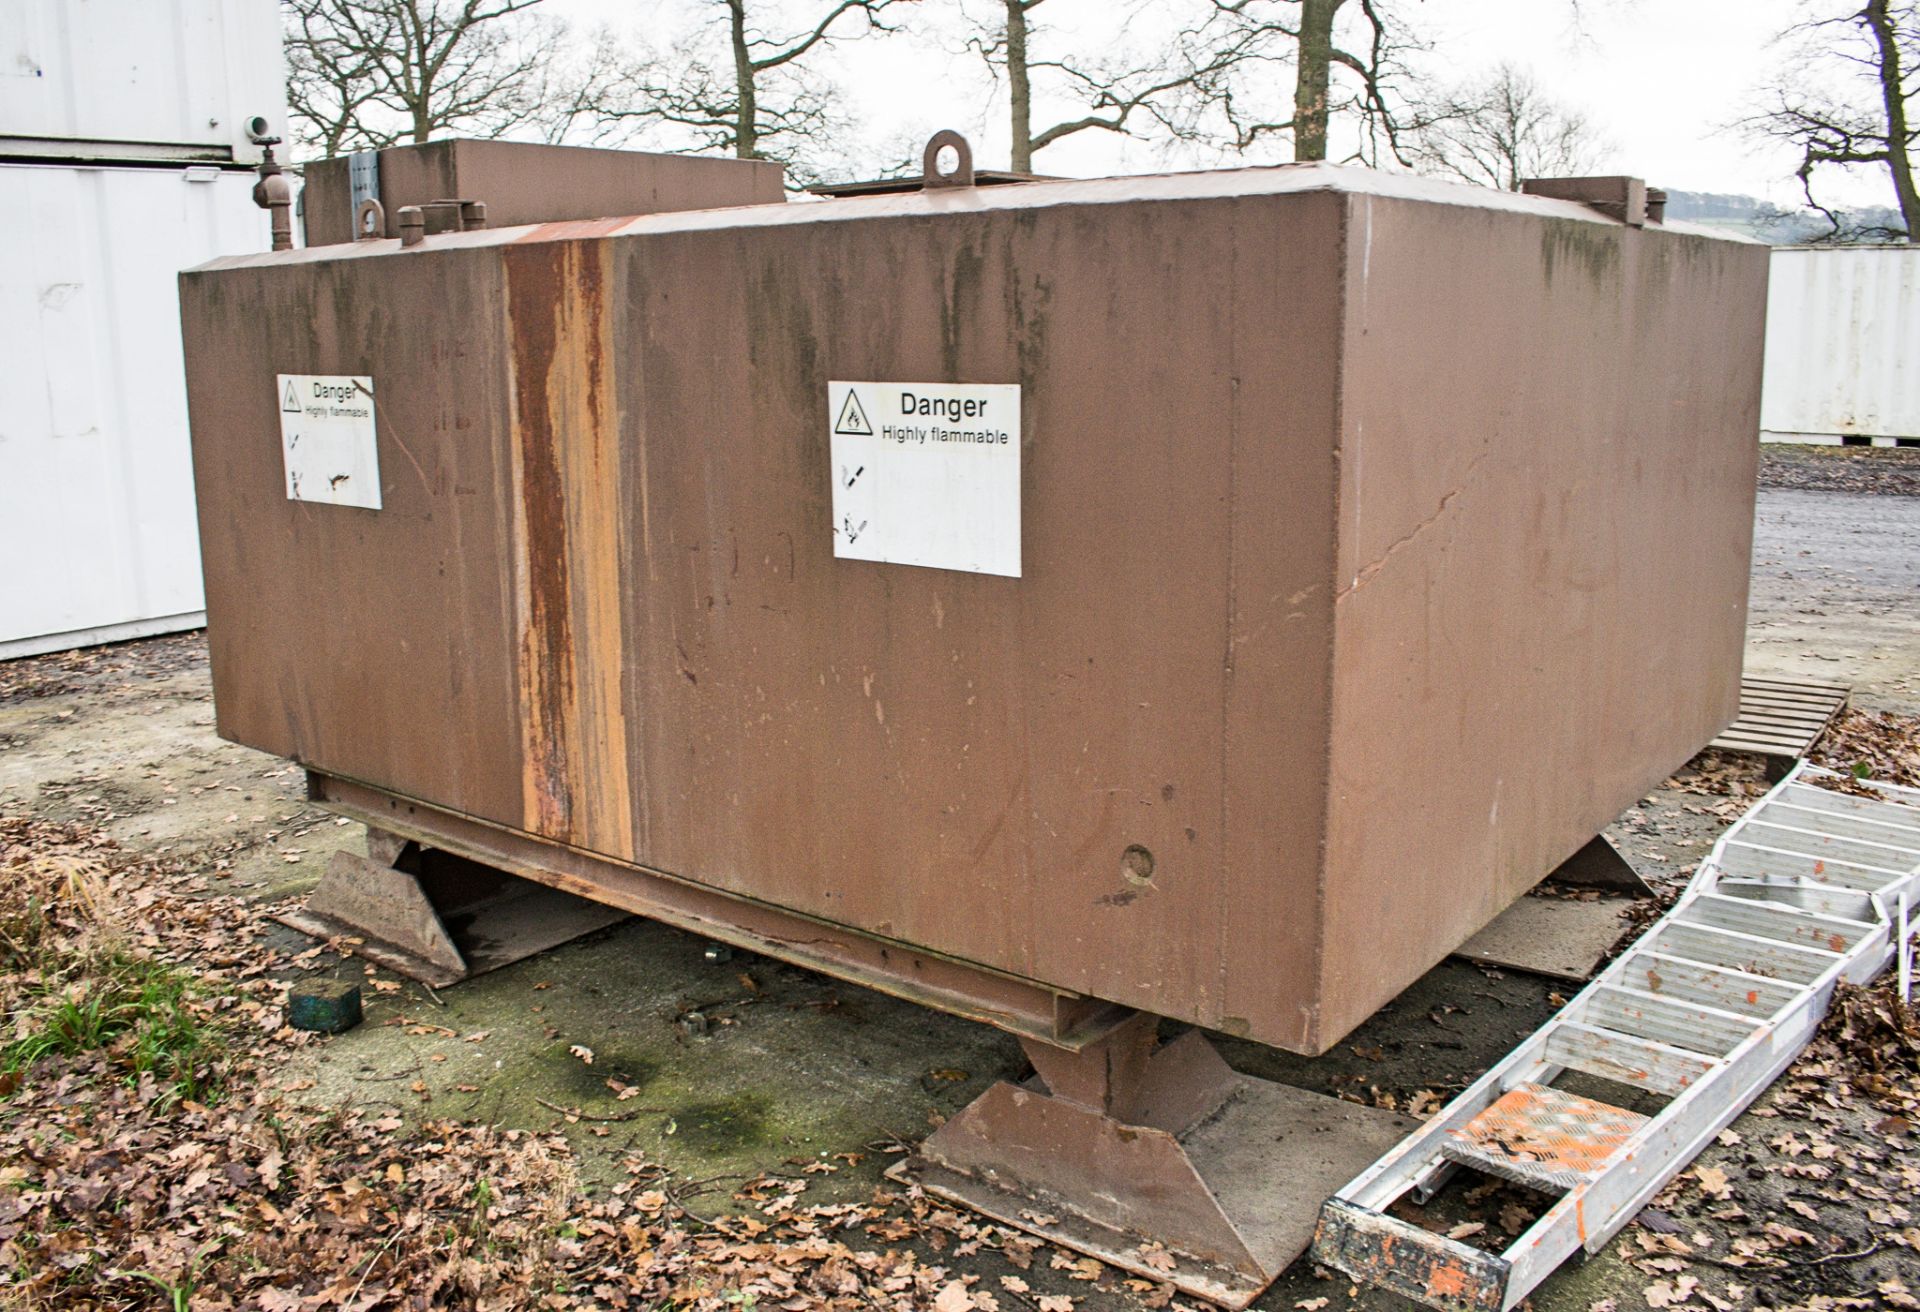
pixel 853 420
pixel 327 439
pixel 927 474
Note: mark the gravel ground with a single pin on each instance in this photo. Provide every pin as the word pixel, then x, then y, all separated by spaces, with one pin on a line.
pixel 1879 469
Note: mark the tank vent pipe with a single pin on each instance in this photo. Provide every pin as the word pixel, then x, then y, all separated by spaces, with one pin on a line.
pixel 274 194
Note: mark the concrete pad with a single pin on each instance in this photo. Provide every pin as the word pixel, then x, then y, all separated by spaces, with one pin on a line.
pixel 1560 937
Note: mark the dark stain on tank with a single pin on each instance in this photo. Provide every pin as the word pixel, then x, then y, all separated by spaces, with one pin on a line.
pixel 960 305
pixel 1574 244
pixel 782 342
pixel 1028 298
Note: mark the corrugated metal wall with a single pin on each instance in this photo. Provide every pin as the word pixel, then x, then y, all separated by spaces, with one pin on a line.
pixel 122 150
pixel 1843 344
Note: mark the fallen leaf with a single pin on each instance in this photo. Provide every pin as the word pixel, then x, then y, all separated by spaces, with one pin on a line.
pixel 1671 1293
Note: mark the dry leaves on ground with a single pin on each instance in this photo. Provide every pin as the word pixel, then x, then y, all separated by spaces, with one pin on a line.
pixel 113 1194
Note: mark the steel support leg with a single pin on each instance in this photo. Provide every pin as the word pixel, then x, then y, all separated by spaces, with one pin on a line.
pixel 1160 1160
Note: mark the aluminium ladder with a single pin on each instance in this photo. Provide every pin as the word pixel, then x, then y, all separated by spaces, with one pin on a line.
pixel 1707 1008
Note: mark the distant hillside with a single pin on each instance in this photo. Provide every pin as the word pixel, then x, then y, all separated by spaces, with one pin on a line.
pixel 1769 223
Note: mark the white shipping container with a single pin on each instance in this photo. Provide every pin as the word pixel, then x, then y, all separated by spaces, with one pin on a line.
pixel 125 126
pixel 1843 344
pixel 97 526
pixel 172 73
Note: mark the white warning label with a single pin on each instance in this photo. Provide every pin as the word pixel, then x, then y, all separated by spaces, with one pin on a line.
pixel 327 439
pixel 927 474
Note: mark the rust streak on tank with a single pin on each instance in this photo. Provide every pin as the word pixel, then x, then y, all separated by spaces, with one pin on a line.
pixel 567 498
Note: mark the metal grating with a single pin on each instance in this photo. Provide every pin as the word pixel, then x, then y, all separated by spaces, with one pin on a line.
pixel 1781 717
pixel 1542 1137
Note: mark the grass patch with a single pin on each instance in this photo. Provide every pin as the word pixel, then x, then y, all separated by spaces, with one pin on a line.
pixel 72 987
pixel 144 1017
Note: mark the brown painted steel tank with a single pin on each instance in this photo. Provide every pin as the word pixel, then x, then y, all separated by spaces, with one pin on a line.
pixel 1379 540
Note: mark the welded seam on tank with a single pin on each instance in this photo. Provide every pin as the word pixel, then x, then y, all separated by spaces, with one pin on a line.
pixel 639 680
pixel 1352 209
pixel 1223 883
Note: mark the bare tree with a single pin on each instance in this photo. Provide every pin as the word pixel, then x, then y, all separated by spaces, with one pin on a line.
pixel 365 74
pixel 1501 129
pixel 1352 72
pixel 754 102
pixel 1164 92
pixel 1849 99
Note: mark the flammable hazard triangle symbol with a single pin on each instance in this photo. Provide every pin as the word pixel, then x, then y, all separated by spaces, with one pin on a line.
pixel 853 420
pixel 290 402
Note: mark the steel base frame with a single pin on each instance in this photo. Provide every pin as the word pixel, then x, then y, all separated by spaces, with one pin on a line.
pixel 1010 1002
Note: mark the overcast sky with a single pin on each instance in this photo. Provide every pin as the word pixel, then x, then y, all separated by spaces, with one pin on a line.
pixel 1660 80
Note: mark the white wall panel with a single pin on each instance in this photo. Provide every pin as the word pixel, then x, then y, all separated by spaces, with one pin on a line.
pixel 97 531
pixel 1843 343
pixel 178 71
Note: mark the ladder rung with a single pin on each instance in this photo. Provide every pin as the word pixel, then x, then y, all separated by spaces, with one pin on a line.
pixel 1864 808
pixel 1871 828
pixel 1740 858
pixel 1782 924
pixel 1625 1059
pixel 1742 952
pixel 1666 975
pixel 1816 843
pixel 1819 860
pixel 1839 692
pixel 1803 895
pixel 1731 741
pixel 1401 1257
pixel 1691 1026
pixel 1891 794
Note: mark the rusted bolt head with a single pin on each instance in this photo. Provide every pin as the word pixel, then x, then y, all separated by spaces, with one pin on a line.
pixel 413 225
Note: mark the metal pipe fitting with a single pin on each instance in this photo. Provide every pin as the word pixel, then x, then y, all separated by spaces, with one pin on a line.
pixel 274 194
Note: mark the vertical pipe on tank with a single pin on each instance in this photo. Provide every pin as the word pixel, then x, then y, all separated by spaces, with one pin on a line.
pixel 274 194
